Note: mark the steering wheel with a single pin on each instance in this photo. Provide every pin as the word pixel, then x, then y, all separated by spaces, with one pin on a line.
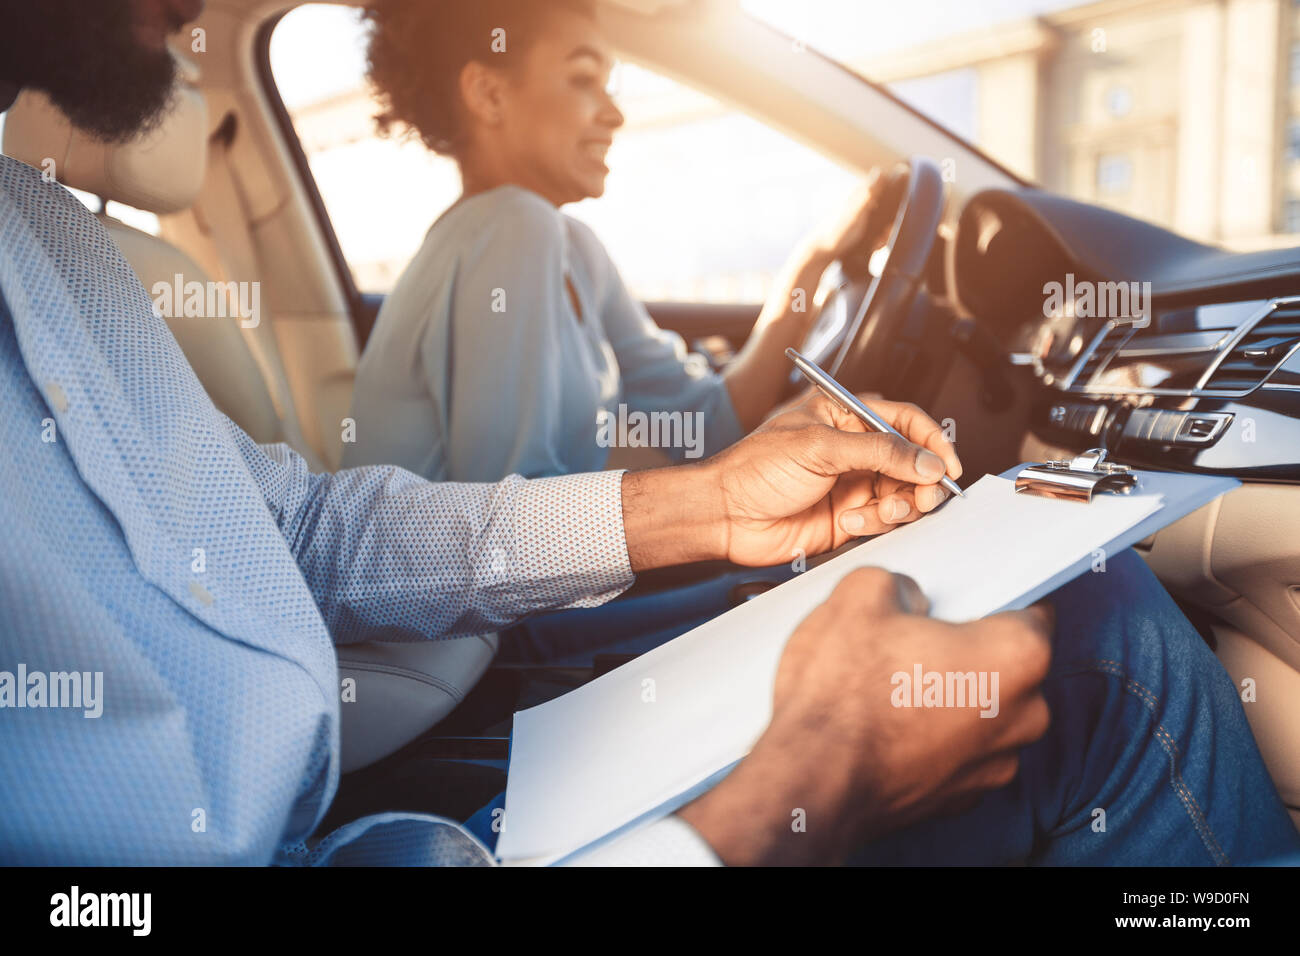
pixel 862 316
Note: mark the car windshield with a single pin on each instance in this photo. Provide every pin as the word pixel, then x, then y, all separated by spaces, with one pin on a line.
pixel 1179 112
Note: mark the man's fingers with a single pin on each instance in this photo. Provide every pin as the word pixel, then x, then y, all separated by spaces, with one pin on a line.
pixel 911 597
pixel 1018 644
pixel 896 509
pixel 1045 615
pixel 902 506
pixel 909 420
pixel 1013 730
pixel 890 455
pixel 917 426
pixel 880 592
pixel 1030 723
pixel 991 773
pixel 877 517
pixel 929 497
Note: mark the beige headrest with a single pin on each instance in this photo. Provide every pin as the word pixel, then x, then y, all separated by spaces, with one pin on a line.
pixel 161 172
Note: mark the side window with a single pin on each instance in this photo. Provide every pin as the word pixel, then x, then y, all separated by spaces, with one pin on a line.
pixel 703 203
pixel 381 193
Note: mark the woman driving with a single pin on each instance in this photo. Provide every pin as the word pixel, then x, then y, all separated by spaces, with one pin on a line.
pixel 510 342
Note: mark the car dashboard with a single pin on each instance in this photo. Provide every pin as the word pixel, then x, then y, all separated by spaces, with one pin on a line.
pixel 1166 352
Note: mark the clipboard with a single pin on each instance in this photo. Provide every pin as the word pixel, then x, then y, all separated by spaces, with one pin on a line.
pixel 1076 479
pixel 601 761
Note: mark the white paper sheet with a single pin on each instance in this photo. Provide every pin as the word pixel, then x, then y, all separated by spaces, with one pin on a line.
pixel 637 742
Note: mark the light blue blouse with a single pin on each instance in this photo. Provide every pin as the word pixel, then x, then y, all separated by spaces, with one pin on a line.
pixel 479 367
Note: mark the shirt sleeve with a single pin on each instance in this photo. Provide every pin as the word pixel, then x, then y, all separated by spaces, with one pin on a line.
pixel 389 556
pixel 505 404
pixel 667 842
pixel 659 373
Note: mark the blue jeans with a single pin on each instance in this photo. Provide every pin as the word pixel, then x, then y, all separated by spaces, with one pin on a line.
pixel 1146 727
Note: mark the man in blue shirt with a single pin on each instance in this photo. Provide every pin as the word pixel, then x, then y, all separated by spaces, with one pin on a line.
pixel 204 726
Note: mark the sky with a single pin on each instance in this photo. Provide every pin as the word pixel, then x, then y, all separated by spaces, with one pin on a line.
pixel 321 56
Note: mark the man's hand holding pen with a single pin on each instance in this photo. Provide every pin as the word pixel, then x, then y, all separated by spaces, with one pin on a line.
pixel 805 481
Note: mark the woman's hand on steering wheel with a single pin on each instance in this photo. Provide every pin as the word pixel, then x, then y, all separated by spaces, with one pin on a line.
pixel 848 229
pixel 791 303
pixel 757 377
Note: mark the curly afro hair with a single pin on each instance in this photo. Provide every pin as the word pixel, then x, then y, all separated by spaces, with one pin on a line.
pixel 419 47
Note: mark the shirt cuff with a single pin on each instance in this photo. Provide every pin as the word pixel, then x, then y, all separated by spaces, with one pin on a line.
pixel 572 527
pixel 667 842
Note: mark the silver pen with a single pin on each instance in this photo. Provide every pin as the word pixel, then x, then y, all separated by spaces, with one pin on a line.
pixel 841 396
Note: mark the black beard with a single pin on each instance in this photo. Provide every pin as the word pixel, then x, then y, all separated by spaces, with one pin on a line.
pixel 84 55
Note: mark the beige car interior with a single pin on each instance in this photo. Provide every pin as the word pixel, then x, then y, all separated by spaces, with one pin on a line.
pixel 221 178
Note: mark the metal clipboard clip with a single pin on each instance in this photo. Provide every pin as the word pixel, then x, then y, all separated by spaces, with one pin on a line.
pixel 1077 479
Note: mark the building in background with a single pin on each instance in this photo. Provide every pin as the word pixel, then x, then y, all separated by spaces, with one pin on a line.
pixel 1182 112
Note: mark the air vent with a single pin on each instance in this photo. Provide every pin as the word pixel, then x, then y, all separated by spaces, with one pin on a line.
pixel 1106 345
pixel 1256 354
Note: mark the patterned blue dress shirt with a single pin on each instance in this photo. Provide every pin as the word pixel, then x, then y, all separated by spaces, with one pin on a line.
pixel 147 539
